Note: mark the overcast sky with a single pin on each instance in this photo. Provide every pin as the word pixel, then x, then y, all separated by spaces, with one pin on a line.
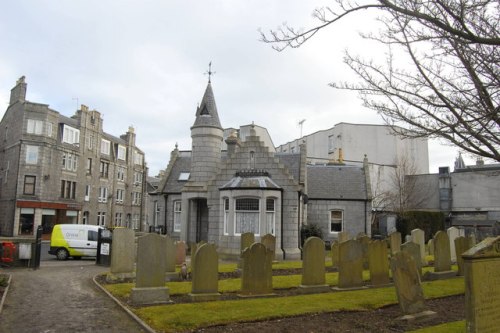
pixel 142 63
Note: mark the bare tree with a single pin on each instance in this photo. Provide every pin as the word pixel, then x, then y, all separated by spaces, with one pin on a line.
pixel 451 90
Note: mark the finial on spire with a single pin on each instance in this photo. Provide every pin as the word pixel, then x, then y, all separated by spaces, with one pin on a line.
pixel 209 72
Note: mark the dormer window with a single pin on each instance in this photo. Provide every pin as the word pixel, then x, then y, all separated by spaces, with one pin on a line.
pixel 204 111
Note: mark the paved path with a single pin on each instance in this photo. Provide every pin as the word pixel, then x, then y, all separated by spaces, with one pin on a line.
pixel 61 297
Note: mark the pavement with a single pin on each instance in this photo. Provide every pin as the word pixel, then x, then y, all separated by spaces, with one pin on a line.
pixel 61 296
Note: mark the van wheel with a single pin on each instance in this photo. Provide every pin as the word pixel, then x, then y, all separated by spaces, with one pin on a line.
pixel 62 254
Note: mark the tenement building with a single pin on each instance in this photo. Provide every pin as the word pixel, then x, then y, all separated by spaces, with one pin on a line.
pixel 233 181
pixel 55 169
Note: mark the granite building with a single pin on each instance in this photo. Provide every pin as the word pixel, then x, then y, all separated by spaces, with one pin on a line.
pixel 56 169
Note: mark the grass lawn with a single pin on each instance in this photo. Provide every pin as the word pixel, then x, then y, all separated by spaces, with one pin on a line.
pixel 184 316
pixel 453 327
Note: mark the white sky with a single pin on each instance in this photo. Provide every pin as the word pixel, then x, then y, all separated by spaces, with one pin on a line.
pixel 141 63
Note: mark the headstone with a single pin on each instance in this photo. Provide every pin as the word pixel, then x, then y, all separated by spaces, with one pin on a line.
pixel 408 286
pixel 453 232
pixel 194 247
pixel 313 266
pixel 180 252
pixel 170 258
pixel 205 274
pixel 335 254
pixel 442 258
pixel 482 286
pixel 407 238
pixel 150 271
pixel 246 240
pixel 365 241
pixel 413 249
pixel 461 246
pixel 379 264
pixel 342 236
pixel 430 246
pixel 257 275
pixel 122 255
pixel 350 265
pixel 269 242
pixel 418 237
pixel 395 242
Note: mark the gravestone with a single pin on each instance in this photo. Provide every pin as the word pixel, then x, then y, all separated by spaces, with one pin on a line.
pixel 453 232
pixel 430 246
pixel 418 237
pixel 379 264
pixel 342 236
pixel 313 267
pixel 482 286
pixel 180 252
pixel 461 246
pixel 442 258
pixel 365 241
pixel 408 286
pixel 413 249
pixel 395 242
pixel 194 247
pixel 122 255
pixel 335 254
pixel 170 255
pixel 407 238
pixel 205 274
pixel 257 274
pixel 269 242
pixel 350 265
pixel 150 271
pixel 246 240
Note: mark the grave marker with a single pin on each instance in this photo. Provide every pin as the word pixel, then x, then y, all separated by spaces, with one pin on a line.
pixel 350 264
pixel 453 233
pixel 257 275
pixel 395 242
pixel 418 237
pixel 313 266
pixel 205 274
pixel 413 249
pixel 122 255
pixel 180 252
pixel 379 264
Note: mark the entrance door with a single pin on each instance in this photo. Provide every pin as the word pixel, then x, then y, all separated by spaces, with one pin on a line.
pixel 201 220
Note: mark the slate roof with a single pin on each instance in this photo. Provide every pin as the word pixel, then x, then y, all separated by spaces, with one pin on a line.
pixel 336 182
pixel 292 162
pixel 206 113
pixel 173 185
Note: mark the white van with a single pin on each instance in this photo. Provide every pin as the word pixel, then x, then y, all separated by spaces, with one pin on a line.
pixel 74 240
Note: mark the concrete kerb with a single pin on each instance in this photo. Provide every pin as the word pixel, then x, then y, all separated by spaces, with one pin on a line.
pixel 5 292
pixel 126 309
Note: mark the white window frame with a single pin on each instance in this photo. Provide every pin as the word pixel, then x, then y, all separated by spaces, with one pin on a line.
pixel 120 173
pixel 177 215
pixel 136 198
pixel 87 193
pixel 71 135
pixel 138 158
pixel 122 153
pixel 34 126
pixel 225 208
pixel 120 194
pixel 118 219
pixel 331 219
pixel 105 146
pixel 137 178
pixel 70 161
pixel 32 154
pixel 270 217
pixel 103 194
pixel 101 218
pixel 242 212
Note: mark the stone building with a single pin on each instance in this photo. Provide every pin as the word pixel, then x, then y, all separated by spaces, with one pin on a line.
pixel 233 181
pixel 55 169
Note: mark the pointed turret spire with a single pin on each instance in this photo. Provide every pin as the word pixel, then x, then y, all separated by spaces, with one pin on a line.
pixel 206 113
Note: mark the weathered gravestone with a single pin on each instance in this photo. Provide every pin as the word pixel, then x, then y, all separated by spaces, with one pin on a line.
pixel 180 252
pixel 350 265
pixel 453 233
pixel 379 264
pixel 408 286
pixel 205 274
pixel 365 241
pixel 269 242
pixel 395 242
pixel 461 246
pixel 170 257
pixel 413 249
pixel 335 254
pixel 257 273
pixel 342 236
pixel 430 247
pixel 246 240
pixel 150 272
pixel 193 248
pixel 313 266
pixel 418 237
pixel 482 286
pixel 122 255
pixel 442 258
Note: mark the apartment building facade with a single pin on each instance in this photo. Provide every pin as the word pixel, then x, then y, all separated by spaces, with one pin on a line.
pixel 56 169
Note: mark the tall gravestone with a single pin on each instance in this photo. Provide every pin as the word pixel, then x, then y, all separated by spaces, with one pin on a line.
pixel 170 255
pixel 194 247
pixel 413 249
pixel 461 246
pixel 335 254
pixel 442 258
pixel 313 266
pixel 365 241
pixel 122 255
pixel 418 237
pixel 269 242
pixel 257 271
pixel 150 271
pixel 379 264
pixel 395 242
pixel 482 286
pixel 180 252
pixel 350 265
pixel 205 274
pixel 246 240
pixel 408 286
pixel 430 246
pixel 453 233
